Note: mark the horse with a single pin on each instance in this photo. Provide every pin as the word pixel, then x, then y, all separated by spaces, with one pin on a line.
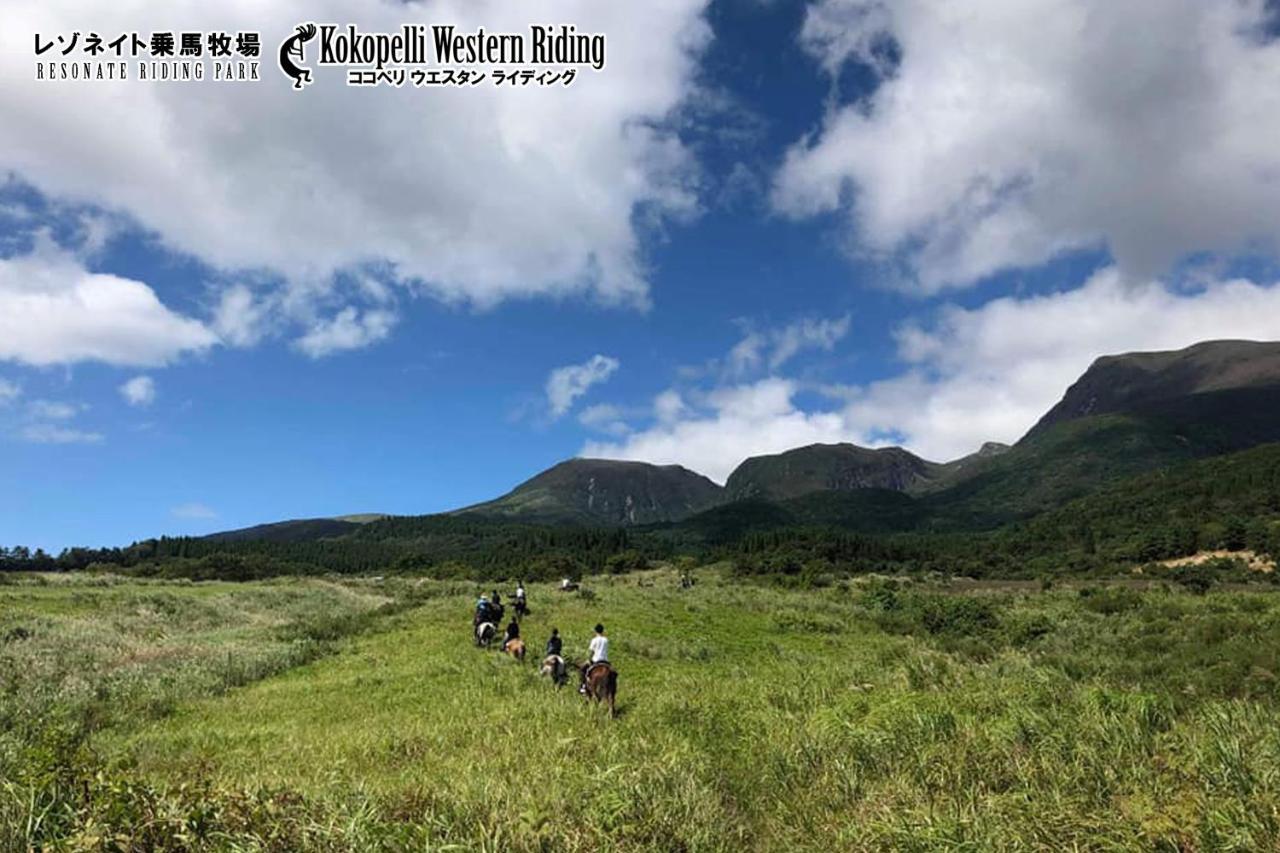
pixel 515 648
pixel 554 666
pixel 484 634
pixel 522 609
pixel 601 681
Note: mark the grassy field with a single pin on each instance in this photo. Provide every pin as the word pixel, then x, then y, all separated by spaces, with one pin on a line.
pixel 877 716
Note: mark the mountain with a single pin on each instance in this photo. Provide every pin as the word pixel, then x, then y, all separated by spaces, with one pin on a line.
pixel 606 491
pixel 828 467
pixel 299 530
pixel 1127 414
pixel 869 510
pixel 1187 385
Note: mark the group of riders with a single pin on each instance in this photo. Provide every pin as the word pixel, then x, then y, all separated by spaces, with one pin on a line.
pixel 490 610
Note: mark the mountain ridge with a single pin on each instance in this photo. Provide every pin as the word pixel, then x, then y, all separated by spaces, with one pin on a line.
pixel 1126 414
pixel 605 490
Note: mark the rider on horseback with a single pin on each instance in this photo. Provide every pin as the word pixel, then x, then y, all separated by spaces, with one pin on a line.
pixel 598 653
pixel 512 633
pixel 554 645
pixel 482 610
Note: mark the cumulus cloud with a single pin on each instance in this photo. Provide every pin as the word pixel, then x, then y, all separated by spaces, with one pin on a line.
pixel 139 391
pixel 989 373
pixel 475 194
pixel 668 406
pixel 349 329
pixel 241 319
pixel 9 392
pixel 604 417
pixel 737 421
pixel 54 311
pixel 971 375
pixel 567 384
pixel 1005 132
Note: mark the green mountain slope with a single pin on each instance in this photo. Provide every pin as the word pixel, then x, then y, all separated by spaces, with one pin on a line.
pixel 1180 381
pixel 300 530
pixel 1130 422
pixel 605 491
pixel 828 467
pixel 1229 502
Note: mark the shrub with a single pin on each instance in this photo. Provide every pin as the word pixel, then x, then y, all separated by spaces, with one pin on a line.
pixel 1108 601
pixel 625 561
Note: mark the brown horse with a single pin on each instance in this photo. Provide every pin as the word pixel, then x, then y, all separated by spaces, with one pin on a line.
pixel 515 648
pixel 602 685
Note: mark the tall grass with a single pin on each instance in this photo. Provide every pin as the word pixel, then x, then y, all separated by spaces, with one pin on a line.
pixel 856 718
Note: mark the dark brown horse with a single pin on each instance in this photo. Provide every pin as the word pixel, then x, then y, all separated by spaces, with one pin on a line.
pixel 602 685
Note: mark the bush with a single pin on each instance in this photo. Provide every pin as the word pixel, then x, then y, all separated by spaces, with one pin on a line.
pixel 625 561
pixel 957 615
pixel 1197 584
pixel 1108 601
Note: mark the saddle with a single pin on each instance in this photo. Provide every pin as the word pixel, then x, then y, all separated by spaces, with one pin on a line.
pixel 594 666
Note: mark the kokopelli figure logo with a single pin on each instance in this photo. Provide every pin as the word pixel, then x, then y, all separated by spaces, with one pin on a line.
pixel 291 49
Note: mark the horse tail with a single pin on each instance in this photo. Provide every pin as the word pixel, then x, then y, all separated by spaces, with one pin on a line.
pixel 613 692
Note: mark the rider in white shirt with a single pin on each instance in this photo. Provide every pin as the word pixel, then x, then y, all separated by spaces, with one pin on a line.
pixel 599 646
pixel 599 653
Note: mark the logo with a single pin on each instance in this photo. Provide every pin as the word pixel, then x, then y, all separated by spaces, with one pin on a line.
pixel 417 55
pixel 292 48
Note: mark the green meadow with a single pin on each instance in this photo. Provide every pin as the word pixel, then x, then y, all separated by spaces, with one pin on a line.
pixel 868 715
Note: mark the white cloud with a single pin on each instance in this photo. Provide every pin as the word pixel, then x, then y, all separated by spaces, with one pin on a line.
pixel 989 373
pixel 476 194
pixel 194 511
pixel 139 391
pixel 240 317
pixel 49 422
pixel 51 410
pixel 1013 130
pixel 974 375
pixel 47 433
pixel 348 329
pixel 772 348
pixel 567 384
pixel 8 392
pixel 54 311
pixel 806 334
pixel 668 406
pixel 604 417
pixel 739 421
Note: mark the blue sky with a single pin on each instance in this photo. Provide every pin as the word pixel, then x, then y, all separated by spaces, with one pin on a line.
pixel 762 224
